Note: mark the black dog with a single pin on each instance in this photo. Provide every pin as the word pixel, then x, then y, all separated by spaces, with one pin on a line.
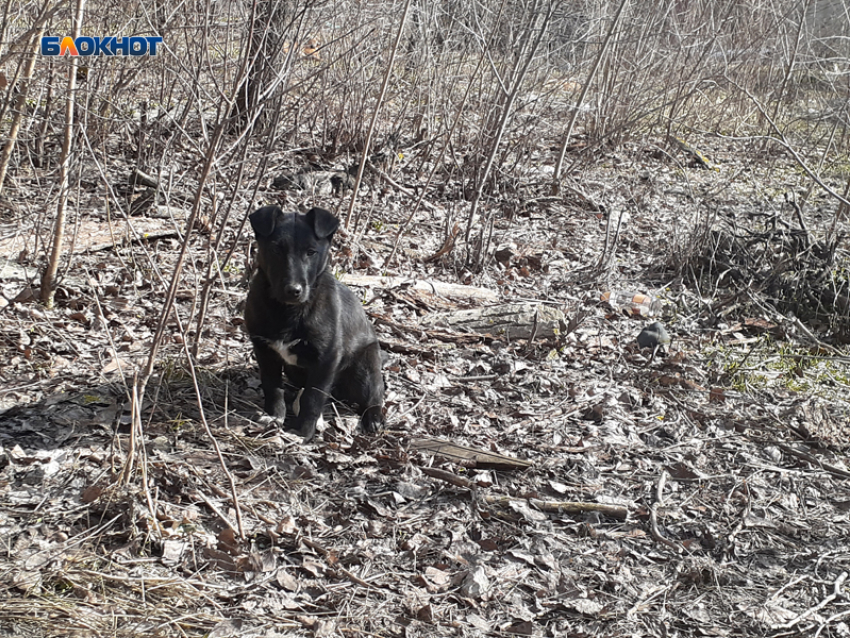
pixel 306 323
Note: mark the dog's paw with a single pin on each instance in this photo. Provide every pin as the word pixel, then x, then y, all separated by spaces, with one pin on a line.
pixel 372 421
pixel 308 432
pixel 271 421
pixel 276 407
pixel 308 429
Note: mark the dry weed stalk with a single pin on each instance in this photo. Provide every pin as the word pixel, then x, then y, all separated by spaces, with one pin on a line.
pixel 792 61
pixel 783 140
pixel 461 110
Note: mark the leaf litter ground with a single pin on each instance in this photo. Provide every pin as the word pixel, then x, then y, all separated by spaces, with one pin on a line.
pixel 695 493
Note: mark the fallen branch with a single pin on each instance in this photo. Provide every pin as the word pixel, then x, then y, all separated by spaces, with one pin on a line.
pixel 467 456
pixel 562 507
pixel 507 321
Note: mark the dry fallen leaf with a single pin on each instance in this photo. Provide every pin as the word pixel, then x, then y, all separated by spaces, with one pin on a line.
pixel 476 583
pixel 91 493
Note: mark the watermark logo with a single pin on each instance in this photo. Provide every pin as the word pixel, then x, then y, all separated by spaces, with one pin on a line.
pixel 112 45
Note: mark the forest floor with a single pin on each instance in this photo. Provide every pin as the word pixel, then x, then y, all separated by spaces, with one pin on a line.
pixel 570 484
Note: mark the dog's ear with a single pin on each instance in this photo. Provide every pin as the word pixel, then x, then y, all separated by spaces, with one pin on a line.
pixel 323 222
pixel 263 220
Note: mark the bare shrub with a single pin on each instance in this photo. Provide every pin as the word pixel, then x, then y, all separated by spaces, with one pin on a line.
pixel 479 105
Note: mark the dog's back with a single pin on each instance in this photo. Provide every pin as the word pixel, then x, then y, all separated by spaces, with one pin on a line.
pixel 306 323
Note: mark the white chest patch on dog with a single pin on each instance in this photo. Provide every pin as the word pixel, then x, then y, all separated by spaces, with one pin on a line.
pixel 284 349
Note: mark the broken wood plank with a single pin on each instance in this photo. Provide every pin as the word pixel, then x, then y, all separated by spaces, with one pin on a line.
pixel 467 456
pixel 443 289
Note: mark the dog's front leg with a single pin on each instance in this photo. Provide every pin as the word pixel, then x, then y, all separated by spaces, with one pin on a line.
pixel 271 378
pixel 317 390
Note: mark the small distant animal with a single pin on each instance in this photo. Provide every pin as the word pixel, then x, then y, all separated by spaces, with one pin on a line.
pixel 305 323
pixel 654 336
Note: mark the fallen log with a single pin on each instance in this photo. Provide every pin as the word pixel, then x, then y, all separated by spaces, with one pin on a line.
pixel 96 235
pixel 509 321
pixel 457 291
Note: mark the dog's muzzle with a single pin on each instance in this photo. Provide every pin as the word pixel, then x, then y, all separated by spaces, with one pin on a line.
pixel 294 294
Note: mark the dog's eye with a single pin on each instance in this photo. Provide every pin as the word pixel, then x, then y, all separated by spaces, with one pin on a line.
pixel 311 252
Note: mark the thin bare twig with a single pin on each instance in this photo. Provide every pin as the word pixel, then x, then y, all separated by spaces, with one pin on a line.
pixel 474 257
pixel 837 592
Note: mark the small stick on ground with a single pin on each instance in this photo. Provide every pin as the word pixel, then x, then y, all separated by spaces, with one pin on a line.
pixel 448 477
pixel 656 533
pixel 216 510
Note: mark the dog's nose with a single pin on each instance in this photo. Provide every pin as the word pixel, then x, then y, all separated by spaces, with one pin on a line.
pixel 293 290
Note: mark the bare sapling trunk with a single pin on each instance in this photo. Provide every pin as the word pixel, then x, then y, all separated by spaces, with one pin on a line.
pixel 461 111
pixel 4 23
pixel 168 304
pixel 269 26
pixel 689 79
pixel 37 26
pixel 141 381
pixel 49 276
pixel 19 108
pixel 214 265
